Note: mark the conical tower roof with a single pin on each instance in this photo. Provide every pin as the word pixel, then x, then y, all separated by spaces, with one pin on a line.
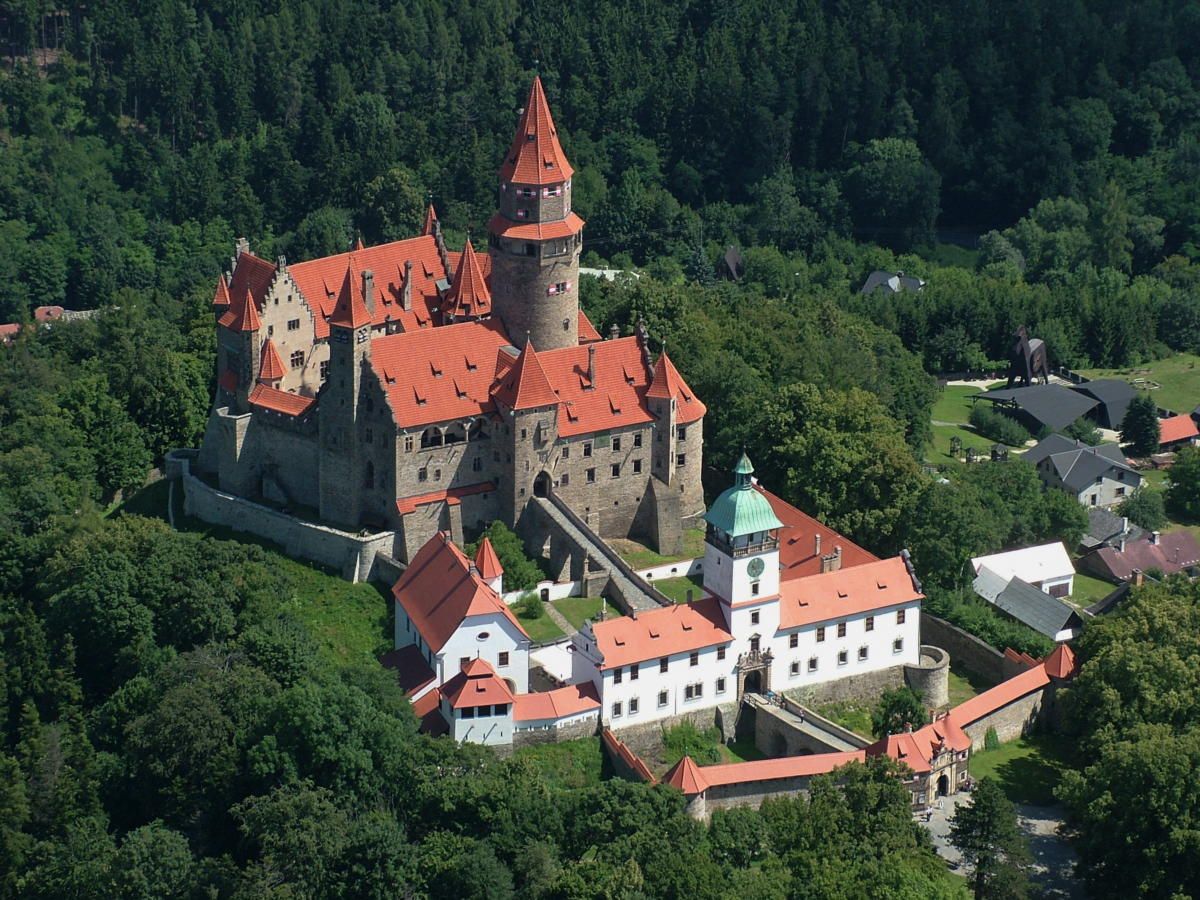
pixel 221 296
pixel 270 367
pixel 536 156
pixel 430 221
pixel 526 385
pixel 242 315
pixel 351 309
pixel 686 776
pixel 487 562
pixel 469 297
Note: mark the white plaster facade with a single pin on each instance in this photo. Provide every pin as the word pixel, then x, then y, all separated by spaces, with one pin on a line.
pixel 490 637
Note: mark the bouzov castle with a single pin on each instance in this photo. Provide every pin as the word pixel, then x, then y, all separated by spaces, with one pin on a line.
pixel 412 389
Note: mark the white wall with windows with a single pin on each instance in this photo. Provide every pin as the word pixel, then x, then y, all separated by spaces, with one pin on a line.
pixel 490 637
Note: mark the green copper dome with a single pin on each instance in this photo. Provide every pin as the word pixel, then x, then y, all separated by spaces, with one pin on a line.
pixel 741 510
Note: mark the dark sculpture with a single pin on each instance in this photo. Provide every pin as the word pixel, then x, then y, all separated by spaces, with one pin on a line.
pixel 1028 360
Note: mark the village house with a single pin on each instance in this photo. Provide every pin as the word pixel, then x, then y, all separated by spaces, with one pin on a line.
pixel 1095 476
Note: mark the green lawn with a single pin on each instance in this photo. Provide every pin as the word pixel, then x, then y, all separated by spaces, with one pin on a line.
pixel 577 610
pixel 853 716
pixel 740 751
pixel 952 404
pixel 639 556
pixel 1155 478
pixel 964 685
pixel 1178 378
pixel 939 451
pixel 570 764
pixel 1088 590
pixel 1028 768
pixel 541 629
pixel 677 588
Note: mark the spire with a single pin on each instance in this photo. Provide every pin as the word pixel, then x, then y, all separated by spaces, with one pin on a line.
pixel 358 244
pixel 469 297
pixel 221 297
pixel 742 471
pixel 487 562
pixel 686 776
pixel 526 384
pixel 270 367
pixel 241 315
pixel 536 157
pixel 667 381
pixel 351 309
pixel 430 220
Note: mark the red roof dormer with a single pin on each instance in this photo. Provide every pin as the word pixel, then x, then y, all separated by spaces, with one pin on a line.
pixel 668 383
pixel 536 157
pixel 270 366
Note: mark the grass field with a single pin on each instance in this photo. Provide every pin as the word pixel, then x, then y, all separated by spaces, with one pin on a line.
pixel 939 450
pixel 964 685
pixel 954 408
pixel 854 716
pixel 1028 769
pixel 953 405
pixel 1155 478
pixel 740 751
pixel 640 556
pixel 1178 377
pixel 577 610
pixel 1088 590
pixel 570 764
pixel 540 629
pixel 677 588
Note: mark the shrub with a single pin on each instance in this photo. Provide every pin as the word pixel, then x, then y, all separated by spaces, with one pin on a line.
pixel 991 740
pixel 530 606
pixel 685 739
pixel 997 426
pixel 1145 508
pixel 1083 429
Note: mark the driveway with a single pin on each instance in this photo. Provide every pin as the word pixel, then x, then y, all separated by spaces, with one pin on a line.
pixel 1053 858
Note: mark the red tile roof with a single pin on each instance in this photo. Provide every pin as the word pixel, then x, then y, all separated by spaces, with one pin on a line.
pixel 47 313
pixel 536 157
pixel 587 331
pixel 669 383
pixel 1174 552
pixel 661 632
pixel 251 274
pixel 627 756
pixel 685 775
pixel 221 295
pixel 614 400
pixel 438 591
pixel 350 310
pixel 452 496
pixel 798 545
pixel 428 710
pixel 847 592
pixel 270 367
pixel 1061 663
pixel 535 231
pixel 438 374
pixel 469 296
pixel 266 397
pixel 1001 695
pixel 477 684
pixel 242 314
pixel 524 384
pixel 774 769
pixel 320 281
pixel 486 560
pixel 1176 428
pixel 430 220
pixel 10 330
pixel 905 748
pixel 557 704
pixel 411 668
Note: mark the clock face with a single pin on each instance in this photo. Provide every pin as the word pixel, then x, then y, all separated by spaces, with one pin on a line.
pixel 755 568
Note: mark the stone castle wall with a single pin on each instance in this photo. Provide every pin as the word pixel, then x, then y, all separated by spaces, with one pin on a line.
pixel 520 296
pixel 967 650
pixel 862 688
pixel 573 731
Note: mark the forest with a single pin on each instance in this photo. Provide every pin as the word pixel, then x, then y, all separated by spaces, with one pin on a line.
pixel 169 730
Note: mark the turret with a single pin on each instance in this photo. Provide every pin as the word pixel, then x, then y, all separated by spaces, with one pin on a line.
pixel 535 239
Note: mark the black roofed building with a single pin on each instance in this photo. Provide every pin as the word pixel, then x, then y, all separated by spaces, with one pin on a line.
pixel 1030 606
pixel 1112 396
pixel 1041 406
pixel 1095 476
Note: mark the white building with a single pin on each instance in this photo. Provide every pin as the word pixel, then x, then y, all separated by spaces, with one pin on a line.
pixel 769 624
pixel 1047 567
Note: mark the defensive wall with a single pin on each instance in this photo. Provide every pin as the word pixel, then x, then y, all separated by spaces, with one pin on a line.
pixel 792 730
pixel 973 654
pixel 352 555
pixel 578 727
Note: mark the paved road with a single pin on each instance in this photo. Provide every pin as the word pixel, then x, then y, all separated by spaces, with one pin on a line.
pixel 1053 858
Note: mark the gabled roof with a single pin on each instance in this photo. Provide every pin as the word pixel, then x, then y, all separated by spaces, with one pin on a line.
pixel 469 296
pixel 1051 405
pixel 798 556
pixel 438 591
pixel 1037 609
pixel 1078 465
pixel 903 747
pixel 476 684
pixel 1175 551
pixel 242 314
pixel 1114 395
pixel 486 560
pixel 350 310
pixel 615 398
pixel 536 157
pixel 1177 428
pixel 828 596
pixel 1033 564
pixel 411 668
pixel 686 776
pixel 430 221
pixel 270 367
pixel 669 383
pixel 221 295
pixel 891 282
pixel 525 385
pixel 251 274
pixel 438 374
pixel 660 632
pixel 557 704
pixel 266 397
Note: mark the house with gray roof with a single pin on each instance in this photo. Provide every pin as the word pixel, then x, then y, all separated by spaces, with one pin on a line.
pixel 1095 476
pixel 1106 529
pixel 1040 406
pixel 1112 396
pixel 1028 605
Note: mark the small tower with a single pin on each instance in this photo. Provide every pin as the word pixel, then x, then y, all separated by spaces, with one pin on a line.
pixel 741 547
pixel 468 298
pixel 340 398
pixel 270 365
pixel 240 346
pixel 528 404
pixel 488 565
pixel 535 239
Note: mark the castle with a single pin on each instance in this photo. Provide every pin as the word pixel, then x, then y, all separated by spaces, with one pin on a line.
pixel 412 389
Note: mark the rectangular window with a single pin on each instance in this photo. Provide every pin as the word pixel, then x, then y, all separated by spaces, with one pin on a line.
pixel 662 698
pixel 870 623
pixel 522 214
pixel 616 470
pixel 681 432
pixel 900 616
pixel 898 645
pixel 795 669
pixel 468 712
pixel 841 657
pixel 821 634
pixel 408 443
pixel 794 641
pixel 437 474
pixel 720 653
pixel 694 659
pixel 754 617
pixel 812 664
pixel 618 674
pixel 720 685
pixel 463 661
pixel 477 464
pixel 663 663
pixel 566 452
pixel 616 445
pixel 591 476
pixel 637 440
pixel 754 588
pixel 293 325
pixel 616 708
pixel 862 653
pixel 503 659
pixel 633 706
pixel 637 467
pixel 566 479
pixel 633 672
pixel 297 359
pixel 681 459
pixel 422 474
pixel 524 433
pixel 841 629
pixel 693 691
pixel 324 369
pixel 587 449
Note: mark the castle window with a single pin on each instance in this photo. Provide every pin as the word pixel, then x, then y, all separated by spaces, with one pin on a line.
pixel 431 437
pixel 503 660
pixel 841 629
pixel 681 432
pixel 477 464
pixel 591 476
pixel 795 669
pixel 565 480
pixel 897 645
pixel 555 191
pixel 812 664
pixel 754 616
pixel 566 452
pixel 754 589
pixel 720 685
pixel 637 467
pixel 422 474
pixel 637 440
pixel 870 623
pixel 437 474
pixel 681 459
pixel 522 214
pixel 821 634
pixel 633 706
pixel 293 324
pixel 616 470
pixel 297 359
pixel 408 443
pixel 618 675
pixel 693 691
pixel 527 192
pixel 663 663
pixel 841 657
pixel 694 659
pixel 616 445
pixel 662 698
pixel 324 369
pixel 616 708
pixel 862 653
pixel 524 433
pixel 794 641
pixel 587 449
pixel 720 652
pixel 271 328
pixel 899 617
pixel 633 672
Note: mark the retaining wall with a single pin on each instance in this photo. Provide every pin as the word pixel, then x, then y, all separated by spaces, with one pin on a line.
pixel 583 727
pixel 1010 722
pixel 626 764
pixel 969 651
pixel 850 737
pixel 647 737
pixel 683 567
pixel 557 591
pixel 859 688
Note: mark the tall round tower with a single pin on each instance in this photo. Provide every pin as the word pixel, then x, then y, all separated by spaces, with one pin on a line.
pixel 534 239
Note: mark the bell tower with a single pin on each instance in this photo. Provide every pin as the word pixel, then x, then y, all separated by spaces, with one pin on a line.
pixel 535 239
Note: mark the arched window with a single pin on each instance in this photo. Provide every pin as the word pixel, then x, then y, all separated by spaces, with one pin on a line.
pixel 431 437
pixel 479 430
pixel 369 476
pixel 454 434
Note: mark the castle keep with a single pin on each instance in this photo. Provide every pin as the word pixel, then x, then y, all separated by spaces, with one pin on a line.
pixel 409 388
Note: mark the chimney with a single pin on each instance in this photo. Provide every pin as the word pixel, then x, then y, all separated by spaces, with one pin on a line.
pixel 368 289
pixel 1139 578
pixel 406 291
pixel 592 364
pixel 281 263
pixel 1121 545
pixel 1155 537
pixel 816 545
pixel 242 246
pixel 614 331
